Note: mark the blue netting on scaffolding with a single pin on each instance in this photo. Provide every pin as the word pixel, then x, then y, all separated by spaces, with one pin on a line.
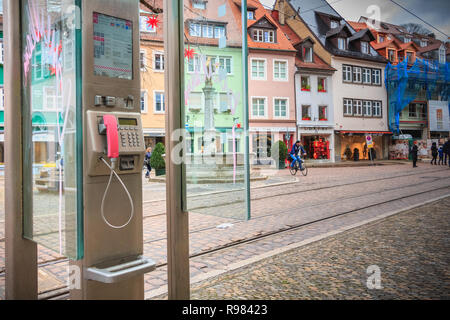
pixel 405 82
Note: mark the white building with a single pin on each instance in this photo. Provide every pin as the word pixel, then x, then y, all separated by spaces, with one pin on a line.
pixel 314 103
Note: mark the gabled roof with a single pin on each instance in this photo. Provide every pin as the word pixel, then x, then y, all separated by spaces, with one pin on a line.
pixel 358 25
pixel 381 45
pixel 335 31
pixel 358 35
pixel 404 46
pixel 317 63
pixel 251 23
pixel 385 27
pixel 282 44
pixel 308 38
pixel 431 47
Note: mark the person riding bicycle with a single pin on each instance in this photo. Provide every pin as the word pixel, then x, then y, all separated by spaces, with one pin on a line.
pixel 296 149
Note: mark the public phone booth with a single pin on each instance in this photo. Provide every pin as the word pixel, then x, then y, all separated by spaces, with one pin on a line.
pixel 75 147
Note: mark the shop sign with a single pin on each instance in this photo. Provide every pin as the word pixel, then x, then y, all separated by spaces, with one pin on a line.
pixel 369 141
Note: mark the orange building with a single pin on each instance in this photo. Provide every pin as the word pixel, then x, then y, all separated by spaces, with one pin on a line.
pixel 152 72
pixel 393 42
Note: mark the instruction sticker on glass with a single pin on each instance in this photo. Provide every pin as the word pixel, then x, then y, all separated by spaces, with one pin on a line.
pixel 113 47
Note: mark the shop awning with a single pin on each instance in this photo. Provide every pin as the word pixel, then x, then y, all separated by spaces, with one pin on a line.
pixel 366 132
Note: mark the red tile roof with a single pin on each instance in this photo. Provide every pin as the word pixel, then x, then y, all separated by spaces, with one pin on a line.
pixel 282 41
pixel 381 45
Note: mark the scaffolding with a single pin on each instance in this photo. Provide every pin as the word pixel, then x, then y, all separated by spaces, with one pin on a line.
pixel 405 82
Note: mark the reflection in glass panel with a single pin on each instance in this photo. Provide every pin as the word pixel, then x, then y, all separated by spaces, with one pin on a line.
pixel 49 98
pixel 214 109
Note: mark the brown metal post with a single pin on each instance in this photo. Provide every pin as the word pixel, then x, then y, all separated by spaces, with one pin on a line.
pixel 177 220
pixel 21 254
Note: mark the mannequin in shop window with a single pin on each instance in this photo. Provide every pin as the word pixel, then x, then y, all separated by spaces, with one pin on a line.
pixel 348 153
pixel 356 154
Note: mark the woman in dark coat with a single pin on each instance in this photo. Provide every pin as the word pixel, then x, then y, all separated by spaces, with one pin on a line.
pixel 434 153
pixel 414 151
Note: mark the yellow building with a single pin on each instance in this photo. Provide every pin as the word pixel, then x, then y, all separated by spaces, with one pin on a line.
pixel 152 77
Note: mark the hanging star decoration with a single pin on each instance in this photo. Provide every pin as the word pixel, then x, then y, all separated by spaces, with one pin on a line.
pixel 238 126
pixel 189 53
pixel 152 22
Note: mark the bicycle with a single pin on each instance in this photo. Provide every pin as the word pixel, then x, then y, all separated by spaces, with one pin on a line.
pixel 296 167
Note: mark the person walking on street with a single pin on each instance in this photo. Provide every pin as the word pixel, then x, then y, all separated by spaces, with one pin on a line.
pixel 434 153
pixel 447 152
pixel 148 155
pixel 414 151
pixel 441 155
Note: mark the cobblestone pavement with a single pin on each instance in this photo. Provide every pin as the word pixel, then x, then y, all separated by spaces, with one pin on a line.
pixel 325 192
pixel 412 250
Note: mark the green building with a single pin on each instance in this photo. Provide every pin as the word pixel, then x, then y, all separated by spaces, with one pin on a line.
pixel 214 77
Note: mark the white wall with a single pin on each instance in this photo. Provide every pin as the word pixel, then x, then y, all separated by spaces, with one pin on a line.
pixel 343 90
pixel 314 99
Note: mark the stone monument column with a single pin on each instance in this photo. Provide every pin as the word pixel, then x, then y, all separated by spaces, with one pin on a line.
pixel 209 127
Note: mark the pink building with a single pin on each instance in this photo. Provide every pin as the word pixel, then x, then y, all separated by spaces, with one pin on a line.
pixel 271 82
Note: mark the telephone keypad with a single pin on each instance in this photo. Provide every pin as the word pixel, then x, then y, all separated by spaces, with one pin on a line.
pixel 130 137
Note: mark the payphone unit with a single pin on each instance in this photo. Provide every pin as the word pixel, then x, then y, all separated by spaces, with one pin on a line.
pixel 113 153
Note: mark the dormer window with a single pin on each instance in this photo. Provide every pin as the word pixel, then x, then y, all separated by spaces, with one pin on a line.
pixel 308 54
pixel 342 44
pixel 410 57
pixel 251 15
pixel 423 43
pixel 261 35
pixel 407 40
pixel 334 24
pixel 364 47
pixel 391 55
pixel 381 39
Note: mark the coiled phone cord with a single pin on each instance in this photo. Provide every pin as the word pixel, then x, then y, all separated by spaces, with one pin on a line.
pixel 113 172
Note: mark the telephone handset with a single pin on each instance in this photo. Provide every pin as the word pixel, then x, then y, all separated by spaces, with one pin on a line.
pixel 110 125
pixel 112 135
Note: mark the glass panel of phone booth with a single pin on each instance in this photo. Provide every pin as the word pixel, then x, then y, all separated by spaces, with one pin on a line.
pixel 50 121
pixel 214 109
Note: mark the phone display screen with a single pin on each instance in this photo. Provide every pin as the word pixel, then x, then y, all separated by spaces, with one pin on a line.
pixel 113 47
pixel 127 122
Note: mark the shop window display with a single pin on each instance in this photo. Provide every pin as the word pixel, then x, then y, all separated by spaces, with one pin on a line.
pixel 351 142
pixel 316 147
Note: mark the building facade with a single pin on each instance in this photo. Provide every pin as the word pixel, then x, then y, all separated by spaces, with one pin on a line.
pixel 314 99
pixel 399 46
pixel 358 93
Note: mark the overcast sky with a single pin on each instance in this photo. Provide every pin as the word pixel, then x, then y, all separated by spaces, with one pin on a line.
pixel 435 12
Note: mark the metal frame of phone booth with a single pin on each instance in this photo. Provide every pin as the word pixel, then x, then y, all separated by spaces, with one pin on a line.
pixel 21 254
